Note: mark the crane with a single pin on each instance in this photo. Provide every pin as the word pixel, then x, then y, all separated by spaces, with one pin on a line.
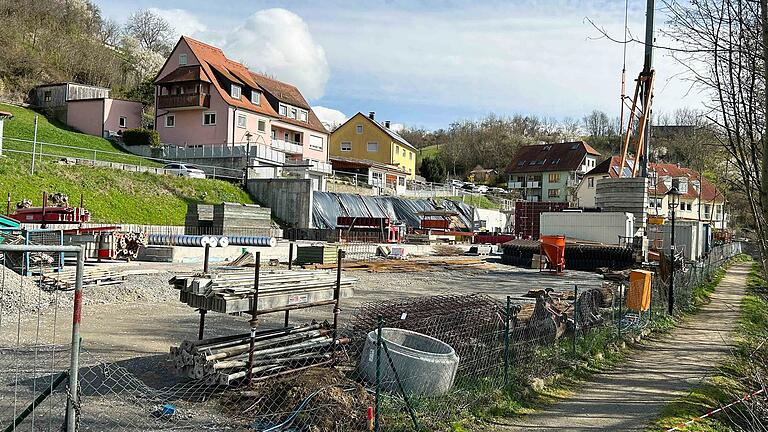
pixel 640 109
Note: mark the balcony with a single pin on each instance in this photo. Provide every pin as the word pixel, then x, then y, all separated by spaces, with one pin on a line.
pixel 515 185
pixel 184 101
pixel 533 185
pixel 289 147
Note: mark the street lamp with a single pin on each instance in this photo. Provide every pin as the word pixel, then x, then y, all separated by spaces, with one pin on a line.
pixel 674 201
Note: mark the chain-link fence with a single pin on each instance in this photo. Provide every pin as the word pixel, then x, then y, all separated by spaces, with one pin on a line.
pixel 415 363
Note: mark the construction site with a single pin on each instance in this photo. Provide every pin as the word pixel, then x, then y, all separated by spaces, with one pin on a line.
pixel 313 308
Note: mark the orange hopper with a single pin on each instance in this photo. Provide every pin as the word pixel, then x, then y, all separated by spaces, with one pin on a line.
pixel 554 249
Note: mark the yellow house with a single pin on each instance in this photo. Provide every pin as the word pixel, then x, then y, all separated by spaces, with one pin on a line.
pixel 363 146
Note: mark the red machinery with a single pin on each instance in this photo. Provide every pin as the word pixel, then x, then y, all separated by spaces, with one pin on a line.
pixel 60 212
pixel 371 229
pixel 554 248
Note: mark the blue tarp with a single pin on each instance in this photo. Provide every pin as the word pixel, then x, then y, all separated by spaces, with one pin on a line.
pixel 327 206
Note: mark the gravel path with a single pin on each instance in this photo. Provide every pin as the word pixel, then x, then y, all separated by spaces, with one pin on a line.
pixel 629 397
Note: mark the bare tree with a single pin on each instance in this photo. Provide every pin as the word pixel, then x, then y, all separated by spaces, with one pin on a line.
pixel 722 43
pixel 151 30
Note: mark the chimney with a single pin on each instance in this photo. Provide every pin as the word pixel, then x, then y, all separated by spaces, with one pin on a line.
pixel 386 124
pixel 371 115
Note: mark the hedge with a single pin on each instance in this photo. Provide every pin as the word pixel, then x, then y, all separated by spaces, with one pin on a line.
pixel 148 137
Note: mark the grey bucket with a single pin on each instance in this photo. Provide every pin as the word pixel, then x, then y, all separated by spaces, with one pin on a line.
pixel 425 365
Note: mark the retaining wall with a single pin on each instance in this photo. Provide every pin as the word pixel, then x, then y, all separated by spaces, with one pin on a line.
pixel 289 199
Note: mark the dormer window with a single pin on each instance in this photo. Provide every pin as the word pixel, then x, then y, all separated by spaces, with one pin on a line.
pixel 283 110
pixel 236 91
pixel 303 115
pixel 256 97
pixel 182 59
pixel 293 113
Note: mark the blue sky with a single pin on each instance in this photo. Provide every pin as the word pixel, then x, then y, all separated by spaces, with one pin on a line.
pixel 428 63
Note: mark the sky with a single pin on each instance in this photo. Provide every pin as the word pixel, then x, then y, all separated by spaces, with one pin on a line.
pixel 426 63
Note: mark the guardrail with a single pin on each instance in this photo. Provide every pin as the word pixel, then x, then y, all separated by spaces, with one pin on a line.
pixel 106 159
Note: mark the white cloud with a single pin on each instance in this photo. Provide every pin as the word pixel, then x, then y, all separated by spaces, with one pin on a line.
pixel 278 42
pixel 397 127
pixel 329 116
pixel 183 22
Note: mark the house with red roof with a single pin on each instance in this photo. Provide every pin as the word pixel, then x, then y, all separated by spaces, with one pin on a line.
pixel 700 199
pixel 550 172
pixel 203 99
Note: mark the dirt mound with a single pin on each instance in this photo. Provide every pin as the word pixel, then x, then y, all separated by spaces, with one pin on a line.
pixel 319 399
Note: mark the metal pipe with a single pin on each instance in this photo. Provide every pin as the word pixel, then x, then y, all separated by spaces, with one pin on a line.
pixel 41 248
pixel 38 400
pixel 337 293
pixel 202 324
pixel 575 316
pixel 671 302
pixel 254 316
pixel 377 412
pixel 74 363
pixel 206 258
pixel 290 255
pixel 506 341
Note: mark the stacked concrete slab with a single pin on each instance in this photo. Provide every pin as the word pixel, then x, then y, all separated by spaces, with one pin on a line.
pixel 625 195
pixel 242 219
pixel 199 219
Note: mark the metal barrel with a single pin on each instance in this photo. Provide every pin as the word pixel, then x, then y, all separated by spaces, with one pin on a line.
pixel 201 241
pixel 223 241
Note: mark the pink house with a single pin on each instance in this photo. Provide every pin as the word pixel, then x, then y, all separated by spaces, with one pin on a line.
pixel 205 99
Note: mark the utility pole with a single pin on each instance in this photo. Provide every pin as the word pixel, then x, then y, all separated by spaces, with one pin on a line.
pixel 647 88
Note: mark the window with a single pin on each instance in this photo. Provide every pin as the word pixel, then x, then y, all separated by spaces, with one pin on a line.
pixel 256 97
pixel 553 193
pixel 359 129
pixel 591 182
pixel 547 148
pixel 316 142
pixel 403 152
pixel 397 149
pixel 303 115
pixel 377 177
pixel 555 161
pixel 241 121
pixel 235 91
pixel 209 118
pixel 297 138
pixel 283 110
pixel 707 209
pixel 182 59
pixel 123 122
pixel 293 113
pixel 286 136
pixel 346 146
pixel 47 96
pixel 410 155
pixel 373 146
pixel 401 181
pixel 262 125
pixel 554 178
pixel 170 120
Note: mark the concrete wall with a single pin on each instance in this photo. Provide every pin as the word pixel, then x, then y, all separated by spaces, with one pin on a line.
pixel 289 199
pixel 86 116
pixel 332 186
pixel 493 220
pixel 625 195
pixel 598 227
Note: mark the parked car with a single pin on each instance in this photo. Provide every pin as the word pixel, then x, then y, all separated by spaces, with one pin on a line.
pixel 468 186
pixel 183 170
pixel 482 189
pixel 457 183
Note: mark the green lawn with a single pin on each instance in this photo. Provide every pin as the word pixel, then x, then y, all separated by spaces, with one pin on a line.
pixel 50 131
pixel 115 196
pixel 429 151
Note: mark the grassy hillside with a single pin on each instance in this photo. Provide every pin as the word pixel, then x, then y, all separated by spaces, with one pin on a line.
pixel 21 126
pixel 428 151
pixel 115 196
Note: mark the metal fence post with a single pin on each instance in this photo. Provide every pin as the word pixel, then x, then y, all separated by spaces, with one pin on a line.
pixel 620 311
pixel 575 317
pixel 377 410
pixel 34 148
pixel 74 360
pixel 506 342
